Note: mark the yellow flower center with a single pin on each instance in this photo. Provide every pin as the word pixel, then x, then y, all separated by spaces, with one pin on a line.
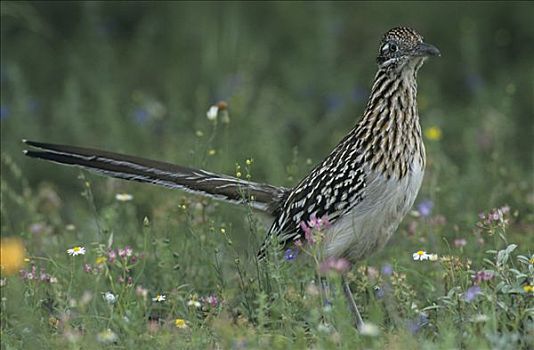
pixel 179 323
pixel 420 253
pixel 76 249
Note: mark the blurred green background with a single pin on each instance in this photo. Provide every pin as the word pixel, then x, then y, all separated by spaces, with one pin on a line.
pixel 138 77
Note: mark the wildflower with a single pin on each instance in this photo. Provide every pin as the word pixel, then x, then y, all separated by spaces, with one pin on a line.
pixel 159 298
pixel 87 268
pixel 460 242
pixel 528 288
pixel 180 323
pixel 123 197
pixel 211 300
pixel 425 208
pixel 211 114
pixel 70 227
pixel 314 223
pixel 101 260
pixel 112 255
pixel 335 265
pixel 471 293
pixel 109 297
pixel 290 254
pixel 76 251
pixel 481 276
pixel 415 325
pixel 370 330
pixel 11 255
pixel 194 302
pixel 218 110
pixel 433 257
pixel 433 133
pixel 387 269
pixel 106 337
pixel 141 291
pixel 421 255
pixel 125 252
pixel 531 260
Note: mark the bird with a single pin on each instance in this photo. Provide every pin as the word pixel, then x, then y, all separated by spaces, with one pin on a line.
pixel 364 187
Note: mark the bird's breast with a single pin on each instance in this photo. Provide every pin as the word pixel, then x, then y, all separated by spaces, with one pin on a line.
pixel 368 226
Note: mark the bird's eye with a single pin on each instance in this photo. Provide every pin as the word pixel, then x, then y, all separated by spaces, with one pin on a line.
pixel 389 48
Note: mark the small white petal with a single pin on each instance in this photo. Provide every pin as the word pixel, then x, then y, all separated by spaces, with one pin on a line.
pixel 212 113
pixel 123 197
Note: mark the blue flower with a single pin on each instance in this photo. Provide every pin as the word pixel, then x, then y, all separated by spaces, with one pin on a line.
pixel 425 208
pixel 290 254
pixel 415 325
pixel 387 269
pixel 141 115
pixel 471 293
pixel 4 112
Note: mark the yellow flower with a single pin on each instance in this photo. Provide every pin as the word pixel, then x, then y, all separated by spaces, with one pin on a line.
pixel 528 288
pixel 179 323
pixel 11 255
pixel 101 260
pixel 531 261
pixel 433 133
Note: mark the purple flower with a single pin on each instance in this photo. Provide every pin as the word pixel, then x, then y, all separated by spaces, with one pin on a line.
pixel 415 325
pixel 290 254
pixel 471 293
pixel 425 208
pixel 112 255
pixel 387 270
pixel 482 276
pixel 141 115
pixel 211 300
pixel 460 242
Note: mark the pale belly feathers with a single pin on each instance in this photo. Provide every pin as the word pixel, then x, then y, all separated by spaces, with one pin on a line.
pixel 371 223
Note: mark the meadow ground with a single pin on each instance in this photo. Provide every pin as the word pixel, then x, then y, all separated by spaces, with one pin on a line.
pixel 91 262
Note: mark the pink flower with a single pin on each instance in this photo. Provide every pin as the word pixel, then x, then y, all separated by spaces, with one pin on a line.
pixel 460 242
pixel 334 265
pixel 314 224
pixel 112 256
pixel 482 276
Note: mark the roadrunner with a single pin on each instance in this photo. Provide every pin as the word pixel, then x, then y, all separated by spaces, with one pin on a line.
pixel 364 187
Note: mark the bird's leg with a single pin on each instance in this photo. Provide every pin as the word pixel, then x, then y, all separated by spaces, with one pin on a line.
pixel 352 304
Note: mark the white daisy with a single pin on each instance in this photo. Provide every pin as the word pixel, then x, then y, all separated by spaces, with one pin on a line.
pixel 76 251
pixel 159 298
pixel 212 112
pixel 421 255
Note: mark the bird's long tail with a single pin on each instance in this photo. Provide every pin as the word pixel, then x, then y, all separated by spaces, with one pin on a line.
pixel 260 196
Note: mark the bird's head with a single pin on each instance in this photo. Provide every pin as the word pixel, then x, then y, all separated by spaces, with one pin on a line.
pixel 403 49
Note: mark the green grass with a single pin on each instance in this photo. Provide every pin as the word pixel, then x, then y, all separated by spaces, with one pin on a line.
pixel 139 78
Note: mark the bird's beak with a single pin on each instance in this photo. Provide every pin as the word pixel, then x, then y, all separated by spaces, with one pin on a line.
pixel 424 49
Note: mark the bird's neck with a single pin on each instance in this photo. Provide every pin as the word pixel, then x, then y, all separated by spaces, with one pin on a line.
pixel 389 134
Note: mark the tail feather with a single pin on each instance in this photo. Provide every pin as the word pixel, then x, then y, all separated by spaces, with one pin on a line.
pixel 260 196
